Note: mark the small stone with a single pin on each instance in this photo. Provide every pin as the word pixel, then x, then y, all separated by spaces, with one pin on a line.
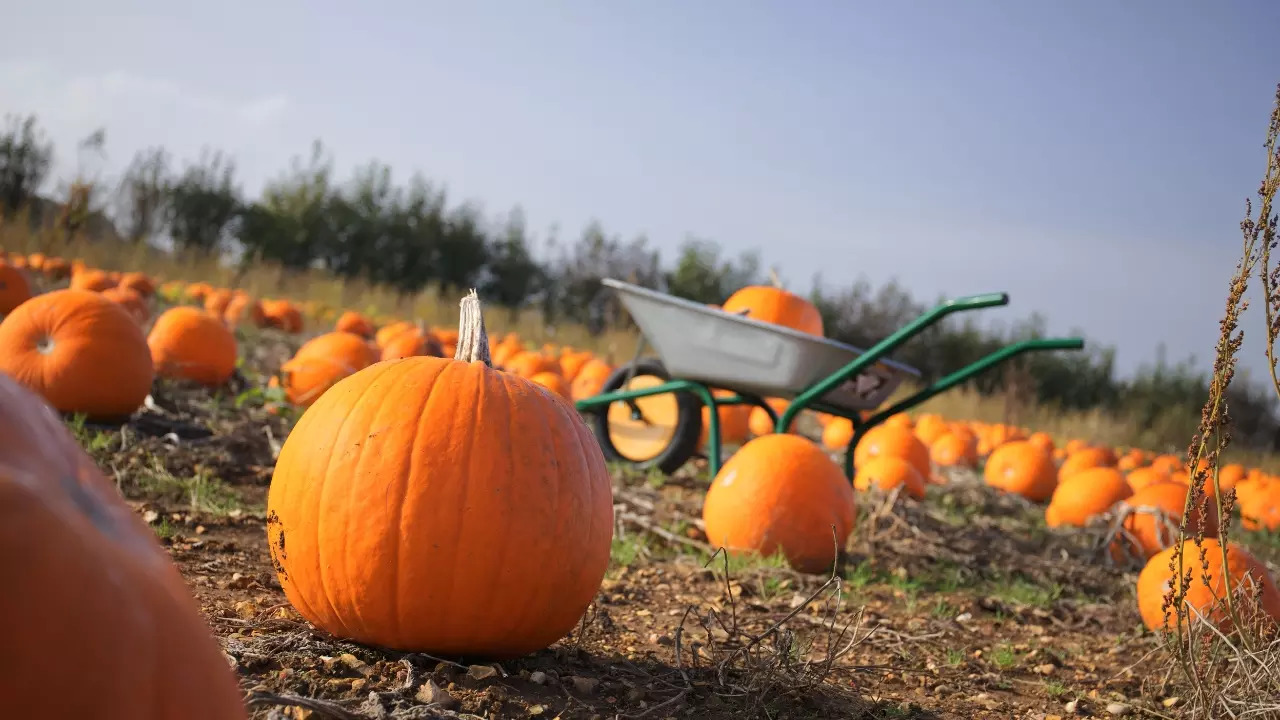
pixel 358 684
pixel 1170 702
pixel 355 664
pixel 537 677
pixel 1118 709
pixel 432 694
pixel 964 617
pixel 482 672
pixel 584 685
pixel 537 709
pixel 635 695
pixel 1071 706
pixel 1045 669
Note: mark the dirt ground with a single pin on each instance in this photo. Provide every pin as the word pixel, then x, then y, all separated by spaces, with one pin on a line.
pixel 963 606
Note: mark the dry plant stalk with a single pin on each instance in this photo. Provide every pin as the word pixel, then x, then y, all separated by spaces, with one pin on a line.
pixel 1236 675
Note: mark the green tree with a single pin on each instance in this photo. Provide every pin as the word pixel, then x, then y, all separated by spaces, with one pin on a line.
pixel 26 157
pixel 204 203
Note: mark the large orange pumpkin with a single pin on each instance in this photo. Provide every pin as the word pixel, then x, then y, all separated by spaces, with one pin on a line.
pixel 90 594
pixel 189 343
pixel 81 351
pixel 442 506
pixel 775 305
pixel 781 492
pixel 1249 580
pixel 885 439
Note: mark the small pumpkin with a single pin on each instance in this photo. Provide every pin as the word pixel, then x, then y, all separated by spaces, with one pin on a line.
pixel 14 288
pixel 189 343
pixel 1021 467
pixel 354 322
pixel 1085 494
pixel 887 472
pixel 442 506
pixel 323 361
pixel 775 305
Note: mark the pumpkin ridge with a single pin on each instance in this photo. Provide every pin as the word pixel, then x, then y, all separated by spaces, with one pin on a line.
pixel 581 434
pixel 544 594
pixel 320 515
pixel 358 475
pixel 407 481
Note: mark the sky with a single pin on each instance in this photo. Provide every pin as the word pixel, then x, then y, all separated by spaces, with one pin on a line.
pixel 1091 157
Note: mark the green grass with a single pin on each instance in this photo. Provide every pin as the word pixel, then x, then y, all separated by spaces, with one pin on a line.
pixel 1019 590
pixel 1004 657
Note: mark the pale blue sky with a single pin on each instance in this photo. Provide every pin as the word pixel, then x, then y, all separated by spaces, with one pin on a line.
pixel 1091 157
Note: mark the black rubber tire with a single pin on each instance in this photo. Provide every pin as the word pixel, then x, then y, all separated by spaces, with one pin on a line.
pixel 684 442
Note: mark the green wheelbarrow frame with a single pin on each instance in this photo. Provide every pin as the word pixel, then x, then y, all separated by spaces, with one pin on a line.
pixel 810 398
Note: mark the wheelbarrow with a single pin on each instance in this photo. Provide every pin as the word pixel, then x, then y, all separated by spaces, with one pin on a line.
pixel 649 411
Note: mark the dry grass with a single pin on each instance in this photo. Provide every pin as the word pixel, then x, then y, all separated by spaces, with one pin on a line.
pixel 1232 672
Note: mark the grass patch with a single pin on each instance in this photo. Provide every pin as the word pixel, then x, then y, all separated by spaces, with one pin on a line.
pixel 1019 590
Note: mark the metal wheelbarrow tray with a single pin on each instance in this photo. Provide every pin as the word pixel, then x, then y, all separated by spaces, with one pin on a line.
pixel 703 348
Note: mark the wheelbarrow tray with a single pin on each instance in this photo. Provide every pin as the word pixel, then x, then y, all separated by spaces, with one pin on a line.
pixel 723 350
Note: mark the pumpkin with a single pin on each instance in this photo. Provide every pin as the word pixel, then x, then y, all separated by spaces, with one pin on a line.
pixel 353 322
pixel 1085 459
pixel 91 594
pixel 131 300
pixel 189 343
pixel 735 421
pixel 14 288
pixel 554 382
pixel 139 283
pixel 322 361
pixel 1083 495
pixel 759 421
pixel 954 449
pixel 591 378
pixel 887 472
pixel 1021 467
pixel 93 280
pixel 442 506
pixel 837 434
pixel 217 301
pixel 244 309
pixel 1147 532
pixel 781 492
pixel 1144 476
pixel 528 363
pixel 385 333
pixel 929 427
pixel 777 306
pixel 1246 577
pixel 282 315
pixel 411 342
pixel 885 439
pixel 81 351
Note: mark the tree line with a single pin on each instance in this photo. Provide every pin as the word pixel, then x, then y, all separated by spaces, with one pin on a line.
pixel 412 235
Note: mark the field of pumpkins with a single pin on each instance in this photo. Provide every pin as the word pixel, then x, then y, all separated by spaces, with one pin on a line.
pixel 222 506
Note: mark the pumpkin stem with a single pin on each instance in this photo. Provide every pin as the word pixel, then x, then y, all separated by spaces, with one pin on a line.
pixel 773 277
pixel 473 341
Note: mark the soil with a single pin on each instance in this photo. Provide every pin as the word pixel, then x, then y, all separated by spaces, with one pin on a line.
pixel 960 606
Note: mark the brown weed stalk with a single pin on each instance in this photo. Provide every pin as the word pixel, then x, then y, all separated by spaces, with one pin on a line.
pixel 1234 674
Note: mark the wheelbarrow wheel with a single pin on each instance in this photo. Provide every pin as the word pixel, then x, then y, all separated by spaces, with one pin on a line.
pixel 663 434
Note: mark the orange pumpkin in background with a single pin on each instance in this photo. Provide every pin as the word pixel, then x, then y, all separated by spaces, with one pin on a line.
pixel 282 315
pixel 136 642
pixel 1147 532
pixel 14 288
pixel 130 300
pixel 355 323
pixel 323 361
pixel 449 471
pixel 888 472
pixel 82 352
pixel 139 283
pixel 781 492
pixel 1022 467
pixel 885 439
pixel 189 343
pixel 410 343
pixel 92 280
pixel 1085 494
